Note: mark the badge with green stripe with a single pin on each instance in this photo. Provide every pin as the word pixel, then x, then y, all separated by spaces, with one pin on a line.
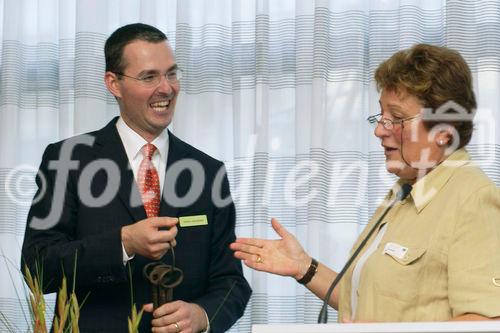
pixel 193 221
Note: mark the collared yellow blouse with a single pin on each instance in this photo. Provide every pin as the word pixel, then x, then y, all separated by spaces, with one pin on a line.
pixel 440 254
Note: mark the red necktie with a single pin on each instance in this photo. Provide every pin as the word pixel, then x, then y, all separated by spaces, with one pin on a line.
pixel 149 183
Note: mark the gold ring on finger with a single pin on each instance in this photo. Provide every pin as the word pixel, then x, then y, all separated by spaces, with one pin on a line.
pixel 259 259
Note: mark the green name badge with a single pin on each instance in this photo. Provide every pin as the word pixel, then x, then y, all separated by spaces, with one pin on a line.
pixel 193 221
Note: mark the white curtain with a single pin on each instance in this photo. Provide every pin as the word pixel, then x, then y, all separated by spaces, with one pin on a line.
pixel 278 89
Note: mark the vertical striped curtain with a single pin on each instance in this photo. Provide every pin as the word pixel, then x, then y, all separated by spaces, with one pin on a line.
pixel 278 89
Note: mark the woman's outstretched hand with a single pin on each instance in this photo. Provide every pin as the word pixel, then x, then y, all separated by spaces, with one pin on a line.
pixel 283 256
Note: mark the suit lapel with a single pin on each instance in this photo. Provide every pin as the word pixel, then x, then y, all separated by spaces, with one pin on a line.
pixel 109 146
pixel 175 154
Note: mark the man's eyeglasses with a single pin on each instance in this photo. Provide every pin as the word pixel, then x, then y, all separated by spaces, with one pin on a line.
pixel 387 123
pixel 154 80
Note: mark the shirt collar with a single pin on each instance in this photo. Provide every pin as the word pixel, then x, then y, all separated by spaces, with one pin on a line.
pixel 428 186
pixel 133 142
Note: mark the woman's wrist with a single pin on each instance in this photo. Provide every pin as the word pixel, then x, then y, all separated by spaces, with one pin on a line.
pixel 303 266
pixel 311 271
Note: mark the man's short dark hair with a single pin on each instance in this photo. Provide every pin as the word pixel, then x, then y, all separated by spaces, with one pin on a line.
pixel 121 37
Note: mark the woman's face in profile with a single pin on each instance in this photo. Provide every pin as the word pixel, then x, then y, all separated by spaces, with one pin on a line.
pixel 409 149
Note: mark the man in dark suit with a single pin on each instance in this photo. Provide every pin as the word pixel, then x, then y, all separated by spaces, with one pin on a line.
pixel 92 204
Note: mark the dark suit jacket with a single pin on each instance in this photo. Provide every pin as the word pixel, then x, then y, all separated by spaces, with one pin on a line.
pixel 212 277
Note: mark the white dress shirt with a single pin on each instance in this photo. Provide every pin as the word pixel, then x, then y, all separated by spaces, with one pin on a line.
pixel 133 143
